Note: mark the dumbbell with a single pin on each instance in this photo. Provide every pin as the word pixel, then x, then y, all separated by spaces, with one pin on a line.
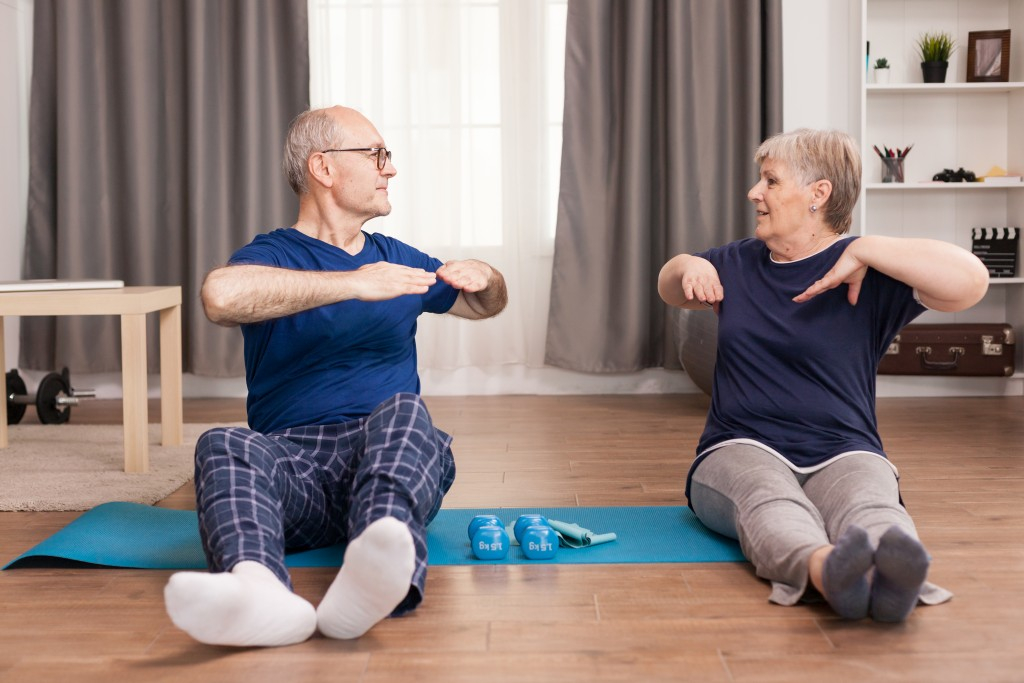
pixel 482 520
pixel 488 539
pixel 53 398
pixel 527 520
pixel 536 537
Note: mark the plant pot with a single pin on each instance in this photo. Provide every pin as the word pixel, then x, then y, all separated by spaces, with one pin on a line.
pixel 881 75
pixel 934 72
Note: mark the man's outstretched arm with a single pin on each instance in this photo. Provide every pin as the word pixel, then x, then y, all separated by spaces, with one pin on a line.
pixel 235 295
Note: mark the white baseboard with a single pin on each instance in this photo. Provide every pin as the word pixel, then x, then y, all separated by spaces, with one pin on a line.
pixel 924 386
pixel 511 379
pixel 517 379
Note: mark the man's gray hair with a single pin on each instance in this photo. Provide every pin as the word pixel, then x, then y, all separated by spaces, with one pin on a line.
pixel 313 130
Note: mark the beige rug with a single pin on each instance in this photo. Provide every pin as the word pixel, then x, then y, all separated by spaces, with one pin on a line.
pixel 77 467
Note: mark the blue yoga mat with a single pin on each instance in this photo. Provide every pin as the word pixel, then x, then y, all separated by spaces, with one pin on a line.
pixel 143 537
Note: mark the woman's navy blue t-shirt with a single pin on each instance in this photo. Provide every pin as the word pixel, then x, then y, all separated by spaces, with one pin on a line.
pixel 799 377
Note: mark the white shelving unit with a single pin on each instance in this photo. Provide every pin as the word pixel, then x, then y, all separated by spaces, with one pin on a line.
pixel 951 125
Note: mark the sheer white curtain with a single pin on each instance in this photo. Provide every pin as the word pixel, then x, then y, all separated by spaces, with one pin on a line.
pixel 468 96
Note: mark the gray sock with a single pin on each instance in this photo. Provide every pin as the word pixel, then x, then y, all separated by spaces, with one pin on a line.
pixel 844 574
pixel 901 566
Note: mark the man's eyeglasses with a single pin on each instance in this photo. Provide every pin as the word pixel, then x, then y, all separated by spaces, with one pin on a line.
pixel 383 154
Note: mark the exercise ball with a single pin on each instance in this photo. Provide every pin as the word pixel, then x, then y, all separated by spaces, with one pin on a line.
pixel 697 332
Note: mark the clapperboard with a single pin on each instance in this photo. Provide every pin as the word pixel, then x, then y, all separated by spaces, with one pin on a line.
pixel 998 249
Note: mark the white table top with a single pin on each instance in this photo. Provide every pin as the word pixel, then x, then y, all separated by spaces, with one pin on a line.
pixel 52 285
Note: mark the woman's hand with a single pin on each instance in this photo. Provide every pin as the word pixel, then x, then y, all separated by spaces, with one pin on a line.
pixel 690 282
pixel 946 277
pixel 848 270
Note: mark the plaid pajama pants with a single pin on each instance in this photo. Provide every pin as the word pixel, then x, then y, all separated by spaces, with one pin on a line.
pixel 308 487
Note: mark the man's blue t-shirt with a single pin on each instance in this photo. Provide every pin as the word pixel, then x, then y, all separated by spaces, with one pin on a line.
pixel 334 363
pixel 799 378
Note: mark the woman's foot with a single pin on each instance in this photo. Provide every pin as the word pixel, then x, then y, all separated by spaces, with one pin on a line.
pixel 901 566
pixel 844 574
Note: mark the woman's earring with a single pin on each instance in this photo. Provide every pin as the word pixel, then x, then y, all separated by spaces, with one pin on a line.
pixel 814 207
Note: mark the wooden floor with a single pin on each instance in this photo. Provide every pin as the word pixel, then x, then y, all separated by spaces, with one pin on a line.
pixel 962 462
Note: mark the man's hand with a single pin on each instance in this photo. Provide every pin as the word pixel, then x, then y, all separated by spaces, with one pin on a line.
pixel 482 288
pixel 469 276
pixel 382 280
pixel 848 270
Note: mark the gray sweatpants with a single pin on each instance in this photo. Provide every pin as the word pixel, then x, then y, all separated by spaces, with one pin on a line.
pixel 780 516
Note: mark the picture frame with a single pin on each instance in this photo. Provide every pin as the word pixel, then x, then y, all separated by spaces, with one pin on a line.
pixel 988 56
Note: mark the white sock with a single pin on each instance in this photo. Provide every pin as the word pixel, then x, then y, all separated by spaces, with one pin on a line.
pixel 374 578
pixel 248 606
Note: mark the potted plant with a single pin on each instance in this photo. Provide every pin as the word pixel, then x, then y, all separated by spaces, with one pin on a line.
pixel 935 49
pixel 881 70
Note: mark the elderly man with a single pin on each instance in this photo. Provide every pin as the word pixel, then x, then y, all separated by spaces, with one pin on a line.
pixel 341 447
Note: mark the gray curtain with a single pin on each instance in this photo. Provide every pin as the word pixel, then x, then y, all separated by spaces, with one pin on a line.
pixel 665 103
pixel 156 129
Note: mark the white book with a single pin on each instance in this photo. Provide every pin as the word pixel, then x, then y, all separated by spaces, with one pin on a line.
pixel 52 285
pixel 1002 180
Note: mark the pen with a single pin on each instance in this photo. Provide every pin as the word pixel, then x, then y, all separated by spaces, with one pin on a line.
pixel 894 153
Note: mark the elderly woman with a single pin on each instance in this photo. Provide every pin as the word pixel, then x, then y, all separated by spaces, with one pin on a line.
pixel 790 462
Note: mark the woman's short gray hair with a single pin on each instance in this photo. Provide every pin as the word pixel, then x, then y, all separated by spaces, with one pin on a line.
pixel 311 131
pixel 821 155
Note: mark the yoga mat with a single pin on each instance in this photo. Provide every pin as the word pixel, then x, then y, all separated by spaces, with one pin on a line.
pixel 144 537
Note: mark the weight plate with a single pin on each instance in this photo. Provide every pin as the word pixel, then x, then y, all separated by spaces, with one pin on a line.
pixel 52 386
pixel 15 387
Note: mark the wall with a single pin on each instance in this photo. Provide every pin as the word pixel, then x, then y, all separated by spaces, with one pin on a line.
pixel 15 55
pixel 816 53
pixel 816 58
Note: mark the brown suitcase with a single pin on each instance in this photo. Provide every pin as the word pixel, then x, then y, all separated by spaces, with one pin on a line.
pixel 957 349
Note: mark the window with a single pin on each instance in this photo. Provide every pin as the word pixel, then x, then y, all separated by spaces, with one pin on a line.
pixel 468 95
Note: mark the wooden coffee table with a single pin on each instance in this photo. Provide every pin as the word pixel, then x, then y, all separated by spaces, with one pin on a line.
pixel 132 304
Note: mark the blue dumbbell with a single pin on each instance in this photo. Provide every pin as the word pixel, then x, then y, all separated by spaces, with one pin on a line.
pixel 539 542
pixel 490 542
pixel 482 520
pixel 525 521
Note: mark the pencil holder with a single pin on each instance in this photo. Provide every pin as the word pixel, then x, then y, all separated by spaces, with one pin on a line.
pixel 892 169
